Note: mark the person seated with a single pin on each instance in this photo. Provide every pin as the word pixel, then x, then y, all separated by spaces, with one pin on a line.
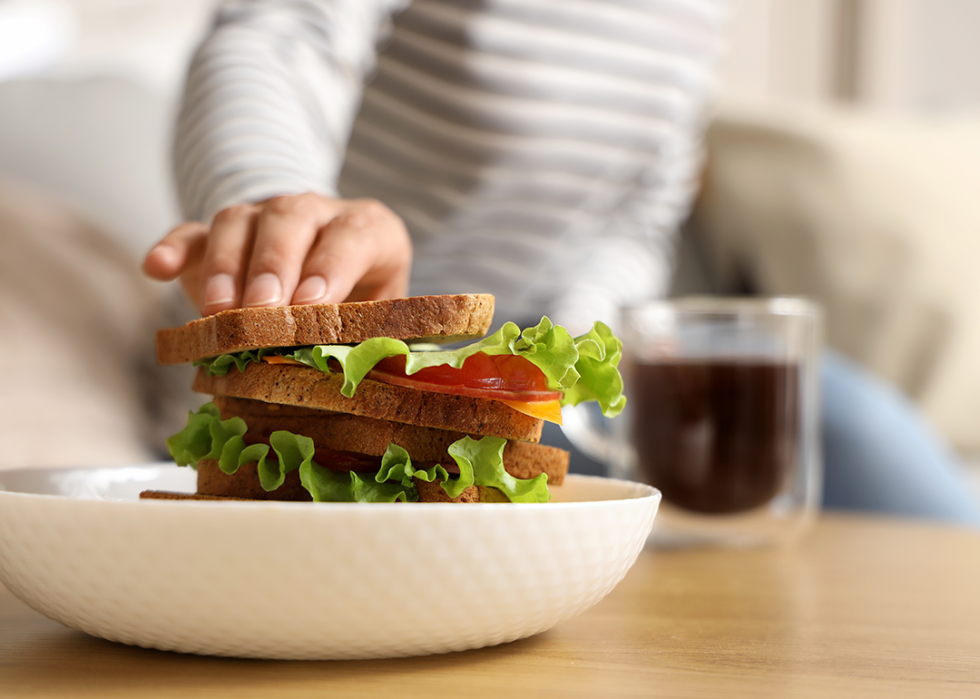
pixel 542 153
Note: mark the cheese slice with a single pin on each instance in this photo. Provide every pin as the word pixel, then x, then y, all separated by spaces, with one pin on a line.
pixel 549 410
pixel 279 359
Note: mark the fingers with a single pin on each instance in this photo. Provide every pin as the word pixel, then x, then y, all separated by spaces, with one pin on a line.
pixel 226 259
pixel 291 249
pixel 285 230
pixel 167 259
pixel 335 262
pixel 363 254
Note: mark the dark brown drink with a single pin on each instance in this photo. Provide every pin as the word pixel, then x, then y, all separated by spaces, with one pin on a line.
pixel 715 435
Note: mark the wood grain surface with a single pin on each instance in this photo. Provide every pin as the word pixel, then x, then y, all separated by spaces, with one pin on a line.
pixel 861 607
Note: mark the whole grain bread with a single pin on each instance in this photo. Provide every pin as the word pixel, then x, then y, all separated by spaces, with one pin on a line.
pixel 442 319
pixel 244 484
pixel 364 435
pixel 433 492
pixel 172 495
pixel 310 388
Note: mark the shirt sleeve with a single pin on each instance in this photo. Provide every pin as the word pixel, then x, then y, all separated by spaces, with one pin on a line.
pixel 270 98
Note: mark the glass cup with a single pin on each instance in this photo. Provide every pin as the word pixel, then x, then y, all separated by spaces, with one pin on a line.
pixel 721 416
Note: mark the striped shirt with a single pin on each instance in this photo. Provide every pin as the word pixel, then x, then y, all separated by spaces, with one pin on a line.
pixel 544 151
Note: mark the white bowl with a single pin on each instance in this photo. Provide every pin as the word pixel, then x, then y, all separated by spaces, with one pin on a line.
pixel 305 581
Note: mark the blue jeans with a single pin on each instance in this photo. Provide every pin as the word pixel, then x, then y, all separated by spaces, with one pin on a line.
pixel 879 454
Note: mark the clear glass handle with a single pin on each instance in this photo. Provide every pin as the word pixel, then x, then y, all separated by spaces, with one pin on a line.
pixel 592 434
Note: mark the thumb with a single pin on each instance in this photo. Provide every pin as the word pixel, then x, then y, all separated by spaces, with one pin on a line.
pixel 171 256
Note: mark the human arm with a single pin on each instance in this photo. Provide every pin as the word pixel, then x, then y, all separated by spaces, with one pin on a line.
pixel 267 112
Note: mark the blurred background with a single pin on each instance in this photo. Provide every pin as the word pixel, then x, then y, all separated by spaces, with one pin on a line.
pixel 915 56
pixel 100 58
pixel 842 156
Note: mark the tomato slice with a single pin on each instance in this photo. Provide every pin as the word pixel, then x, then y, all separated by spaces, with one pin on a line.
pixel 495 377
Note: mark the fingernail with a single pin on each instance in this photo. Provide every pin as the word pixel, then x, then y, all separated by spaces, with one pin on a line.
pixel 265 290
pixel 312 289
pixel 220 289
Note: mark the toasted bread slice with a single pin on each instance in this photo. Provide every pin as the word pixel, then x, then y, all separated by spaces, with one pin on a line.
pixel 244 484
pixel 171 495
pixel 433 492
pixel 442 319
pixel 363 435
pixel 308 387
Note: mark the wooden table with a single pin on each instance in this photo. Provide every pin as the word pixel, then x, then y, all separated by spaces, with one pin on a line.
pixel 860 608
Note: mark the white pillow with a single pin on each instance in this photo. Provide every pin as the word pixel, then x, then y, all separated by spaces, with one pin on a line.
pixel 879 219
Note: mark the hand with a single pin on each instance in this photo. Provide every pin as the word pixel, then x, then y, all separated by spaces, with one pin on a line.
pixel 287 250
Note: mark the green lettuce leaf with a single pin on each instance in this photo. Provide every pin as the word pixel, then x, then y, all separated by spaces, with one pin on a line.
pixel 347 486
pixel 584 368
pixel 599 352
pixel 480 462
pixel 205 436
pixel 189 446
pixel 222 364
pixel 396 465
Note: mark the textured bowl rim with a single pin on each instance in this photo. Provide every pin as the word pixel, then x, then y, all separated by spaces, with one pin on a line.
pixel 632 491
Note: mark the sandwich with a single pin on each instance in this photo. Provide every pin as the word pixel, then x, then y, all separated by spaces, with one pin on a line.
pixel 362 401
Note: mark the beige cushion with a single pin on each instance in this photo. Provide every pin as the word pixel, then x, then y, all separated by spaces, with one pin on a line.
pixel 77 323
pixel 879 219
